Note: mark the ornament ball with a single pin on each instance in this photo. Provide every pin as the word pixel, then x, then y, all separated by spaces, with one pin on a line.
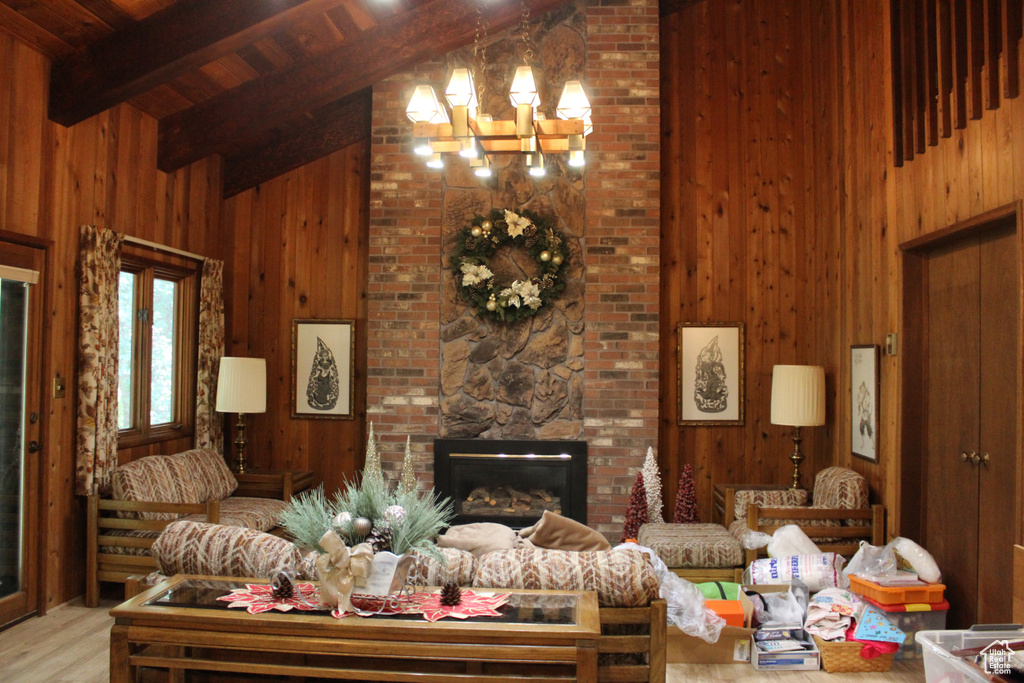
pixel 476 231
pixel 487 225
pixel 343 519
pixel 362 526
pixel 557 259
pixel 545 256
pixel 492 306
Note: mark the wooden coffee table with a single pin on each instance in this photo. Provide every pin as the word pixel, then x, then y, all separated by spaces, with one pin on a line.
pixel 179 625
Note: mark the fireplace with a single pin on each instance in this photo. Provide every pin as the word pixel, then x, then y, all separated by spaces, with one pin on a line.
pixel 511 482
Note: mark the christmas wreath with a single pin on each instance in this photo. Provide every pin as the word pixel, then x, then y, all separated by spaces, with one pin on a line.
pixel 509 301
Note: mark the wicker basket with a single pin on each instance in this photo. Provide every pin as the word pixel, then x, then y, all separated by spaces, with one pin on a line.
pixel 843 657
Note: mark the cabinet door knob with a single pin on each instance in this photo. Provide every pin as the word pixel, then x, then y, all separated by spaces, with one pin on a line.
pixel 965 456
pixel 975 458
pixel 985 459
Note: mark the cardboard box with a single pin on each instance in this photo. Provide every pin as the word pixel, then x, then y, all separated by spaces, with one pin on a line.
pixel 733 644
pixel 799 660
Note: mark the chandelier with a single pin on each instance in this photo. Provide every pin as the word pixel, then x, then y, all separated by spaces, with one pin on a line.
pixel 475 135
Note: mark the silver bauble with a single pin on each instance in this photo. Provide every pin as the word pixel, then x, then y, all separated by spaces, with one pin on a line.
pixel 343 519
pixel 394 514
pixel 362 526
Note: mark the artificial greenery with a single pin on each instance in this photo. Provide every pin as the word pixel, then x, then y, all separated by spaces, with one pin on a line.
pixel 509 301
pixel 310 516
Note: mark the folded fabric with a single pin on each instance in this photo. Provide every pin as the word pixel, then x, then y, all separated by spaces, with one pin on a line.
pixel 871 648
pixel 830 613
pixel 479 538
pixel 556 532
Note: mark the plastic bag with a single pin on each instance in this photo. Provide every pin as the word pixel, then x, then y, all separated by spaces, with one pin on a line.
pixel 919 559
pixel 870 562
pixel 755 540
pixel 781 609
pixel 685 602
pixel 791 540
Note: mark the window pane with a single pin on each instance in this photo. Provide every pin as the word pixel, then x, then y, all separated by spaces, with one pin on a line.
pixel 126 345
pixel 161 396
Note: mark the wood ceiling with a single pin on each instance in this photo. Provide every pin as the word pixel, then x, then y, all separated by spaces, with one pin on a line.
pixel 269 85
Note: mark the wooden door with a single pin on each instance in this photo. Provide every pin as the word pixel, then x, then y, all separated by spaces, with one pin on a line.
pixel 997 442
pixel 971 353
pixel 21 416
pixel 950 512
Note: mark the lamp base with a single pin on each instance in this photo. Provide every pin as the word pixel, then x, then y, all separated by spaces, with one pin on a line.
pixel 797 457
pixel 240 444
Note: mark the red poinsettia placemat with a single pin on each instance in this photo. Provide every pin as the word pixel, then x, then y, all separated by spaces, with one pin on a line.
pixel 471 605
pixel 259 597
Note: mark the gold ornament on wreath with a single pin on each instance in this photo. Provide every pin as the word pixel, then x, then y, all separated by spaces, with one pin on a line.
pixel 509 301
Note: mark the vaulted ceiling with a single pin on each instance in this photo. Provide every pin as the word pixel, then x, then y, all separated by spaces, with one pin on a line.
pixel 269 85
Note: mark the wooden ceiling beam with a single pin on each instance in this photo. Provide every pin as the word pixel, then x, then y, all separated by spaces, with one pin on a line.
pixel 163 46
pixel 425 32
pixel 333 127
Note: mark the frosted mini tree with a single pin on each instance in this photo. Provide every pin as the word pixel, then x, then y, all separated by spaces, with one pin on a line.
pixel 407 481
pixel 371 470
pixel 652 484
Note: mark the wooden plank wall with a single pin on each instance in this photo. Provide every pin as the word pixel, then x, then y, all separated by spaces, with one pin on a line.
pixel 750 206
pixel 300 251
pixel 52 180
pixel 977 168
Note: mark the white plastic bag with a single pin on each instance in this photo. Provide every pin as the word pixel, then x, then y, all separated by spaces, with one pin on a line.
pixel 791 540
pixel 685 602
pixel 871 562
pixel 919 559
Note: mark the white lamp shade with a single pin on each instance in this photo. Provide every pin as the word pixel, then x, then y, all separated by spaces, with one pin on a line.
pixel 574 103
pixel 798 395
pixel 242 385
pixel 424 107
pixel 460 91
pixel 524 88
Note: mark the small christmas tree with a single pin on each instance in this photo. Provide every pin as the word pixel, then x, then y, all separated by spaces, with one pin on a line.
pixel 652 483
pixel 407 481
pixel 686 498
pixel 371 469
pixel 636 513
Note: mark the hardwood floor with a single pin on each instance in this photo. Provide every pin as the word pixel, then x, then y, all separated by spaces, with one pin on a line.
pixel 70 645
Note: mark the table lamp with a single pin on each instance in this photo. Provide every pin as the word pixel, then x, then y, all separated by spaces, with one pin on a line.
pixel 798 400
pixel 242 389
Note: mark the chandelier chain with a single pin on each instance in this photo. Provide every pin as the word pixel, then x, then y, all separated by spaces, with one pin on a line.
pixel 480 53
pixel 525 30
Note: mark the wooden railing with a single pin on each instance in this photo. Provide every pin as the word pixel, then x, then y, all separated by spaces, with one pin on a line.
pixel 951 60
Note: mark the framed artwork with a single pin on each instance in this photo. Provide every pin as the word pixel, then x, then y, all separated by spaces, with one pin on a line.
pixel 323 361
pixel 710 376
pixel 864 401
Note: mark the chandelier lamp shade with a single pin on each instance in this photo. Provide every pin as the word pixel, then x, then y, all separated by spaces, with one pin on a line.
pixel 476 136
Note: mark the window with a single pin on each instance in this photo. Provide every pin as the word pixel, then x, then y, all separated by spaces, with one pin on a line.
pixel 157 317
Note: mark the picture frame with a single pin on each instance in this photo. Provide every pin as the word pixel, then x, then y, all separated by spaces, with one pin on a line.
pixel 710 377
pixel 323 364
pixel 864 401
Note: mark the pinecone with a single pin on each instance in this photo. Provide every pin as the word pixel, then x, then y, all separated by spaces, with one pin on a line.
pixel 380 538
pixel 451 594
pixel 530 230
pixel 282 586
pixel 530 241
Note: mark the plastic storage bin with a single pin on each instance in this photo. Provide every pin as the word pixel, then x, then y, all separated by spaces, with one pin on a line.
pixel 911 618
pixel 942 667
pixel 896 595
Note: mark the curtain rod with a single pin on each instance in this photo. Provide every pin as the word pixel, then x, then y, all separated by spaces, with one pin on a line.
pixel 159 247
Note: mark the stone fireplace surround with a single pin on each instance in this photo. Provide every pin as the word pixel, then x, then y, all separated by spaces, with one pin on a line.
pixel 612 211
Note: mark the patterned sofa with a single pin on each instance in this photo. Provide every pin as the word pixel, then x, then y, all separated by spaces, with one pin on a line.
pixel 633 617
pixel 151 492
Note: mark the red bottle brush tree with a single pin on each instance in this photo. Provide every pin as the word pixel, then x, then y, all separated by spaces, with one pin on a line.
pixel 636 513
pixel 686 498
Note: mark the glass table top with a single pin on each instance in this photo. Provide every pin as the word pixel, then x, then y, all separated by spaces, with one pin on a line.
pixel 522 608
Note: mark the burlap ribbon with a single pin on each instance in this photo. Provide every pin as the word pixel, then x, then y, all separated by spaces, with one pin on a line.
pixel 339 568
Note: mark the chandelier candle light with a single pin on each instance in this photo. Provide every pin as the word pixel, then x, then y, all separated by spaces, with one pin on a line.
pixel 473 134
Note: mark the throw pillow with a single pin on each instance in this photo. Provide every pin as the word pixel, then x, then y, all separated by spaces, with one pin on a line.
pixel 556 532
pixel 478 538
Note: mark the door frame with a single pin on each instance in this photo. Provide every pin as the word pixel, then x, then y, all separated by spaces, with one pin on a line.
pixel 43 461
pixel 914 257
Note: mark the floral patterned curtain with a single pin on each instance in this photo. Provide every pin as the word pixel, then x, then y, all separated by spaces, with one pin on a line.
pixel 209 423
pixel 96 454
